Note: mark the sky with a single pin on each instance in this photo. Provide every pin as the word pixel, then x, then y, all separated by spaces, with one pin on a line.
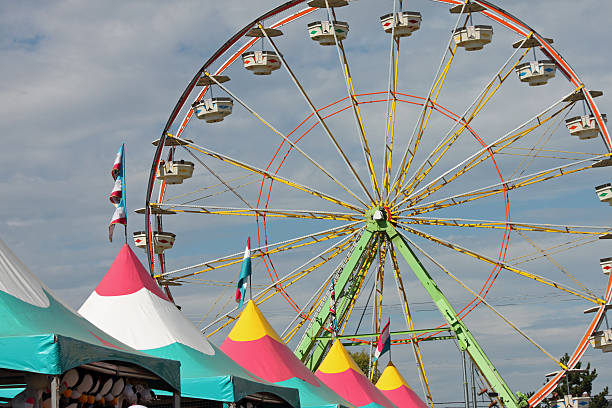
pixel 80 78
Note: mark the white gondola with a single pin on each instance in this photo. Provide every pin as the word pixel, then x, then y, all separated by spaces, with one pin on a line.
pixel 174 172
pixel 570 401
pixel 213 110
pixel 602 340
pixel 403 24
pixel 323 31
pixel 536 73
pixel 161 240
pixel 585 127
pixel 606 265
pixel 604 192
pixel 261 62
pixel 473 38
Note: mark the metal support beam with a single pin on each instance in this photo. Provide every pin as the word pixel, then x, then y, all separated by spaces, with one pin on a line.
pixel 55 382
pixel 313 344
pixel 176 399
pixel 309 340
pixel 395 333
pixel 465 338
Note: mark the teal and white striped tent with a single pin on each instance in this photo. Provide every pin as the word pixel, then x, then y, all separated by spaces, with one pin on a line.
pixel 129 305
pixel 40 334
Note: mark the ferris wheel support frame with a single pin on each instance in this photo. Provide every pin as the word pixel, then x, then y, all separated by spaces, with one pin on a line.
pixel 491 11
pixel 312 347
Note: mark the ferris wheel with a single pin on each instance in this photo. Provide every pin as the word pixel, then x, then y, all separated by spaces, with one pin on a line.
pixel 384 156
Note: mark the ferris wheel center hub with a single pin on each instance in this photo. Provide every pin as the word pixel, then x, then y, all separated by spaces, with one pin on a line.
pixel 378 219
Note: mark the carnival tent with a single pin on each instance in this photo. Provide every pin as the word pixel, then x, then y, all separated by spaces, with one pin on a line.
pixel 255 345
pixel 40 334
pixel 340 372
pixel 396 389
pixel 129 305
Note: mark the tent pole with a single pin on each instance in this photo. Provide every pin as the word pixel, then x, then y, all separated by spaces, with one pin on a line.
pixel 176 400
pixel 55 391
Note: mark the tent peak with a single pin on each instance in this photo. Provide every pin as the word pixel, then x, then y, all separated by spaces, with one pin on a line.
pixel 126 276
pixel 391 379
pixel 338 360
pixel 252 325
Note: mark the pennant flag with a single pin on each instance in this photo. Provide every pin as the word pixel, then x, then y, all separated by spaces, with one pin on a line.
pixel 384 341
pixel 332 307
pixel 117 196
pixel 245 272
pixel 118 164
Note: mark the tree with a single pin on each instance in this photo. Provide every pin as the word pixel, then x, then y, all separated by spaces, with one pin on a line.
pixel 579 383
pixel 362 358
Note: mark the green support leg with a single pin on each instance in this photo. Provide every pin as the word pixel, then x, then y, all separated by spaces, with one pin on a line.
pixel 313 345
pixel 466 340
pixel 309 341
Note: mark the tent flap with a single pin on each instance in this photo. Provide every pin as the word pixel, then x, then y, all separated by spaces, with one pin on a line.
pixel 37 354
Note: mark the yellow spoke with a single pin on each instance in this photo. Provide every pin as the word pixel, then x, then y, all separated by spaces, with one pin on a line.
pixel 265 173
pixel 482 299
pixel 408 315
pixel 364 140
pixel 390 130
pixel 286 140
pixel 262 251
pixel 552 250
pixel 423 121
pixel 252 212
pixel 291 278
pixel 503 265
pixel 498 189
pixel 483 155
pixel 168 199
pixel 549 258
pixel 359 278
pixel 443 147
pixel 517 226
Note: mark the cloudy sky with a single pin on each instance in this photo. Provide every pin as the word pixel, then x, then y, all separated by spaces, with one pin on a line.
pixel 80 78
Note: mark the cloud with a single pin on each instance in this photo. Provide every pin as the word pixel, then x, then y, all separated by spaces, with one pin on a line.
pixel 79 79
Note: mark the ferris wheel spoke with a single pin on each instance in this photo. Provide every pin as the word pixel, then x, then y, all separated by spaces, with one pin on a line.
pixel 555 249
pixel 275 177
pixel 556 264
pixel 503 265
pixel 265 250
pixel 514 225
pixel 482 300
pixel 333 251
pixel 499 188
pixel 318 115
pixel 390 109
pixel 483 154
pixel 416 349
pixel 452 136
pixel 252 212
pixel 317 300
pixel 287 140
pixel 322 257
pixel 350 90
pixel 428 108
pixel 534 150
pixel 230 188
pixel 170 199
pixel 437 83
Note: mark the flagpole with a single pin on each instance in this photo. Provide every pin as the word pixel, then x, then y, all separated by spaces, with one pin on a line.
pixel 250 288
pixel 124 193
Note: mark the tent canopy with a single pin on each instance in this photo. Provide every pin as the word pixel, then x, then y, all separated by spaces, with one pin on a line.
pixel 40 334
pixel 256 346
pixel 128 304
pixel 396 389
pixel 340 372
